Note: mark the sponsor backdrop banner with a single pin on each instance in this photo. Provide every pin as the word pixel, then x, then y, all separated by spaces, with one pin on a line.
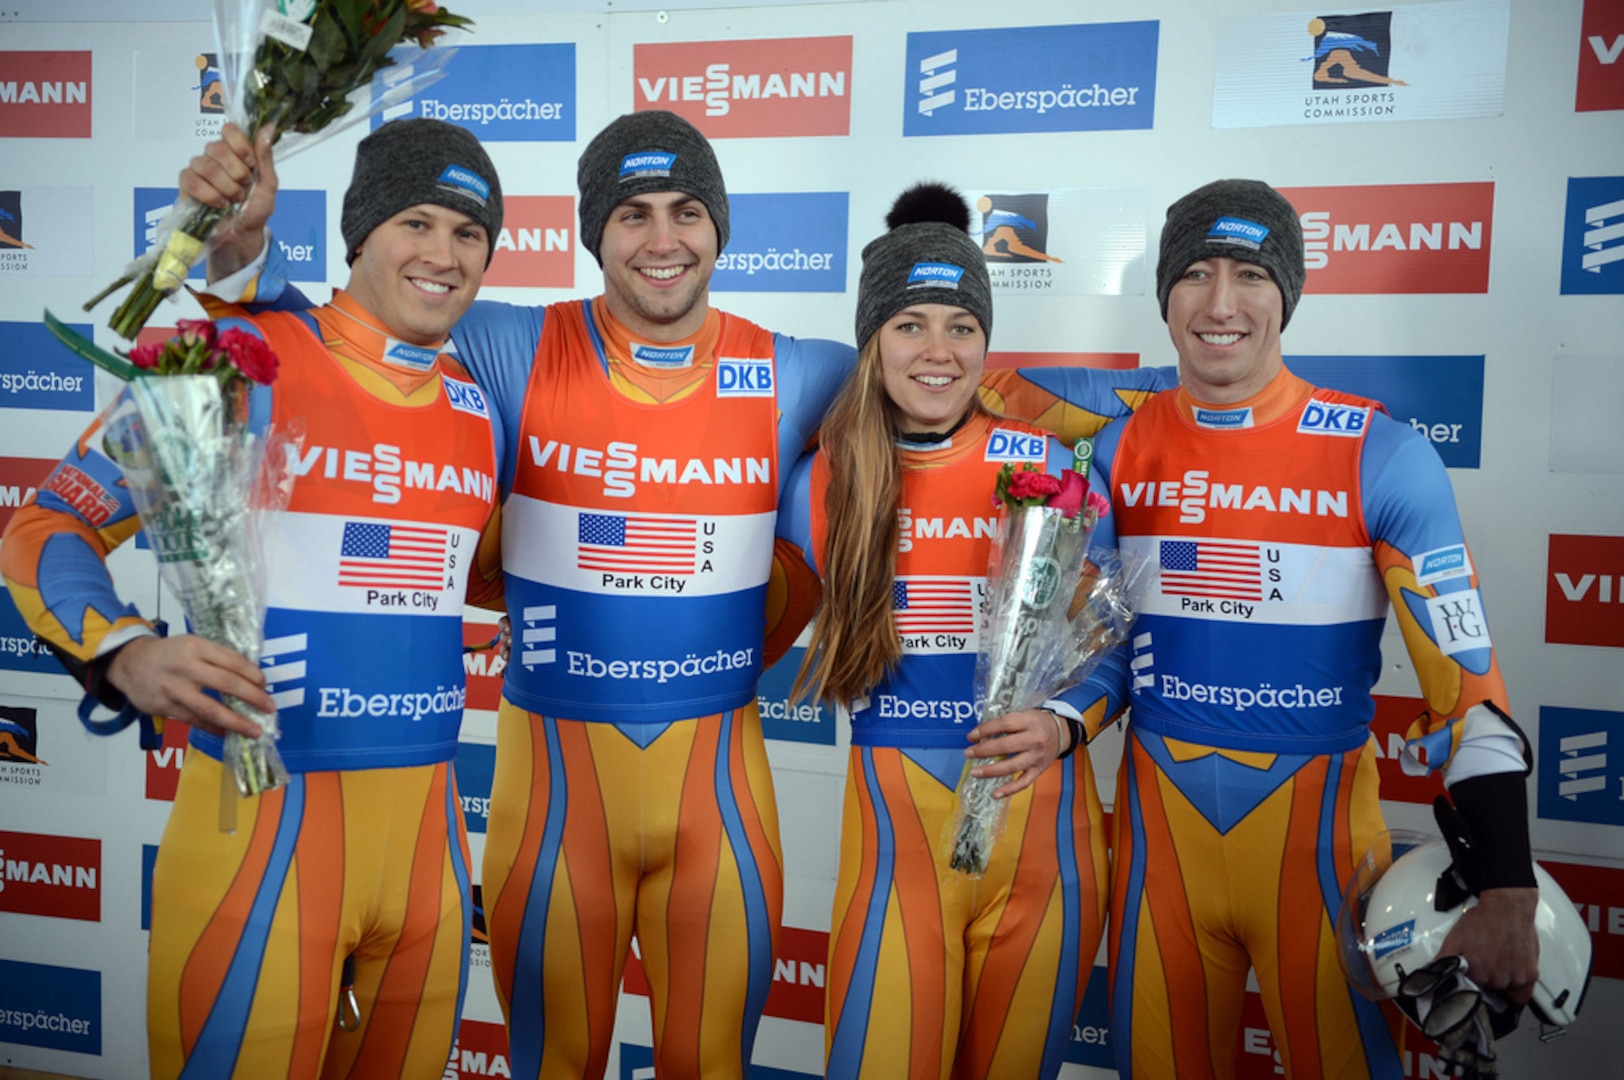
pixel 749 89
pixel 1099 77
pixel 1069 242
pixel 1601 45
pixel 1413 62
pixel 1464 268
pixel 45 230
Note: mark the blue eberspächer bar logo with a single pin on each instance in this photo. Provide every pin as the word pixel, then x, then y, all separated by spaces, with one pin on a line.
pixel 785 242
pixel 38 372
pixel 1092 77
pixel 298 227
pixel 502 93
pixel 1593 236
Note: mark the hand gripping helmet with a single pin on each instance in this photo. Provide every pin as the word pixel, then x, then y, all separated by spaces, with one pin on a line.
pixel 1405 898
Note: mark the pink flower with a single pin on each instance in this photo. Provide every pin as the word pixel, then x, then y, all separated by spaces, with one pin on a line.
pixel 145 357
pixel 1069 499
pixel 249 354
pixel 191 331
pixel 1098 503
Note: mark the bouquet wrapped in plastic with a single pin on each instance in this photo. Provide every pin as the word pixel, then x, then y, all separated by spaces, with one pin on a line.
pixel 303 66
pixel 1042 630
pixel 203 483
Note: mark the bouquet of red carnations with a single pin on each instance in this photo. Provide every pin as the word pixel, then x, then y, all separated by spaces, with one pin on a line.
pixel 300 65
pixel 204 480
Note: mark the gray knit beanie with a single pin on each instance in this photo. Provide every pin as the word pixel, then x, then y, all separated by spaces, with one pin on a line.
pixel 926 258
pixel 407 163
pixel 643 152
pixel 1241 219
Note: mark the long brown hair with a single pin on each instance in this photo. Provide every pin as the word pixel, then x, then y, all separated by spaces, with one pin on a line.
pixel 854 640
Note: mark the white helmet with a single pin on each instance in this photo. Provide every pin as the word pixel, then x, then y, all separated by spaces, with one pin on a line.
pixel 1391 925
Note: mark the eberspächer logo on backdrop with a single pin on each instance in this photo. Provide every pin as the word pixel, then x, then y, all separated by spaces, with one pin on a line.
pixel 37 372
pixel 1593 236
pixel 793 242
pixel 1584 591
pixel 1093 77
pixel 749 89
pixel 502 93
pixel 45 95
pixel 476 768
pixel 1441 397
pixel 1581 760
pixel 55 1007
pixel 298 228
pixel 534 248
pixel 1601 57
pixel 1396 238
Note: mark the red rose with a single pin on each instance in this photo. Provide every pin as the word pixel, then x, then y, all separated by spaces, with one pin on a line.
pixel 250 355
pixel 191 331
pixel 1031 484
pixel 1073 489
pixel 146 356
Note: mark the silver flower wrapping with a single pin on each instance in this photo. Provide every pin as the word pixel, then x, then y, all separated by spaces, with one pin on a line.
pixel 202 483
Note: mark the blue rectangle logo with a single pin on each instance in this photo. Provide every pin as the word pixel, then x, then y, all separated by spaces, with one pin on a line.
pixel 476 769
pixel 502 93
pixel 804 721
pixel 792 242
pixel 1006 445
pixel 55 1007
pixel 38 372
pixel 1441 397
pixel 935 275
pixel 298 228
pixel 1239 231
pixel 1093 77
pixel 1593 236
pixel 19 651
pixel 1581 765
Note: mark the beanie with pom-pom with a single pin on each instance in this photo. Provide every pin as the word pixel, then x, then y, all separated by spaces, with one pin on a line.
pixel 927 257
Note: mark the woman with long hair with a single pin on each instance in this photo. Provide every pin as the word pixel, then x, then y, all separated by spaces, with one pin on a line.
pixel 933 973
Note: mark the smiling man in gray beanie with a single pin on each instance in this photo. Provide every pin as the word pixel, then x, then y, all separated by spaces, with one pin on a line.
pixel 1280 520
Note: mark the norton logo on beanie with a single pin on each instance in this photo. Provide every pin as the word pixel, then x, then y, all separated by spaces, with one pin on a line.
pixel 1238 231
pixel 457 178
pixel 935 275
pixel 648 163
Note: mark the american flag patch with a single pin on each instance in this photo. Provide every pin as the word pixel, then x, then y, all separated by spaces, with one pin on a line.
pixel 922 605
pixel 1211 568
pixel 392 556
pixel 628 543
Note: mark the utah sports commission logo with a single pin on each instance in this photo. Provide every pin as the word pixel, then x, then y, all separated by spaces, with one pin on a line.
pixel 1015 228
pixel 1352 51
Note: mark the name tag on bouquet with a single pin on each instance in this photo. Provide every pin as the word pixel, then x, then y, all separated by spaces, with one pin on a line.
pixel 287 27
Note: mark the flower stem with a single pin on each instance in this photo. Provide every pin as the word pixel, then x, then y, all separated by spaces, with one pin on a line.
pixel 166 274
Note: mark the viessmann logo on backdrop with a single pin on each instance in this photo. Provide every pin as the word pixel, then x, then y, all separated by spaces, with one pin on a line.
pixel 1094 77
pixel 749 89
pixel 502 93
pixel 1396 238
pixel 1601 57
pixel 1584 591
pixel 535 247
pixel 56 876
pixel 45 95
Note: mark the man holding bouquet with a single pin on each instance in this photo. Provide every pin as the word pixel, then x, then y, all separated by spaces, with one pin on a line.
pixel 1279 520
pixel 357 868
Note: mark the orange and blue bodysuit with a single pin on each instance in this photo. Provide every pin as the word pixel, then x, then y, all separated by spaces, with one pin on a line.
pixel 362 855
pixel 933 973
pixel 1278 530
pixel 632 795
